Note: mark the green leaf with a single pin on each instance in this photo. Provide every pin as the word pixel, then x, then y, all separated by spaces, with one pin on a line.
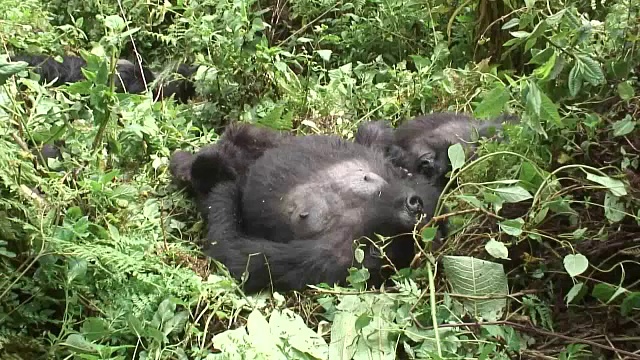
pixel 549 110
pixel 631 302
pixel 513 194
pixel 592 71
pixel 575 264
pixel 512 227
pixel 475 277
pixel 456 156
pixel 324 54
pixel 519 34
pixel 493 103
pixel 78 342
pixel 77 268
pixel 576 293
pixel 429 234
pixel 114 22
pixel 554 19
pixel 625 91
pixel 623 127
pixel 575 79
pixel 613 208
pixel 534 100
pixel 511 23
pixel 9 69
pixel 615 186
pixel 359 255
pixel 497 249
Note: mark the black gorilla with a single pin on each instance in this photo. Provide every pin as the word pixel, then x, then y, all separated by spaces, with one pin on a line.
pixel 420 145
pixel 289 212
pixel 130 78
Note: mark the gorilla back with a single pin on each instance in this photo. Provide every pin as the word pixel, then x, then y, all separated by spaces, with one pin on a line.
pixel 292 222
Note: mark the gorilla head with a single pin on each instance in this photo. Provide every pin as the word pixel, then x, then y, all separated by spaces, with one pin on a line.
pixel 421 145
pixel 299 206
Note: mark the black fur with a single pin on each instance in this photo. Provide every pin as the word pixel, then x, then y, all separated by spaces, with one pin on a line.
pixel 300 202
pixel 130 78
pixel 420 145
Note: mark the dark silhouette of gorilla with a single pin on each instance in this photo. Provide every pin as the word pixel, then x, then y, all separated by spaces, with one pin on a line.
pixel 420 145
pixel 130 78
pixel 287 209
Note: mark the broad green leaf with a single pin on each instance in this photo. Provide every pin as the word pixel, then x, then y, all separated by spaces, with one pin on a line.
pixel 542 57
pixel 343 336
pixel 592 71
pixel 575 79
pixel 624 127
pixel 260 333
pixel 544 71
pixel 493 103
pixel 95 328
pixel 630 302
pixel 533 99
pixel 554 19
pixel 325 54
pixel 511 23
pixel 513 194
pixel 613 208
pixel 471 200
pixel 471 276
pixel 625 91
pixel 114 22
pixel 78 342
pixel 429 233
pixel 9 69
pixel 497 249
pixel 359 255
pixel 576 293
pixel 615 186
pixel 575 264
pixel 519 34
pixel 512 227
pixel 549 111
pixel 456 156
pixel 77 268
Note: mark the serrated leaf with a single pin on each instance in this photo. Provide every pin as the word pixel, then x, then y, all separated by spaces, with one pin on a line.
pixel 456 156
pixel 512 227
pixel 615 186
pixel 575 264
pixel 575 79
pixel 324 54
pixel 497 249
pixel 623 127
pixel 625 91
pixel 475 277
pixel 592 71
pixel 493 103
pixel 576 293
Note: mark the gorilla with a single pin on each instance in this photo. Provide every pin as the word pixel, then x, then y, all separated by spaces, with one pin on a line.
pixel 287 209
pixel 421 145
pixel 130 78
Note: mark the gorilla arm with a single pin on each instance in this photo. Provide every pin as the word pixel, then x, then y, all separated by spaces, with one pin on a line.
pixel 288 266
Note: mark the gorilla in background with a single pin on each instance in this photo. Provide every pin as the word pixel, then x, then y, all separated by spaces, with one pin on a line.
pixel 420 145
pixel 290 211
pixel 130 77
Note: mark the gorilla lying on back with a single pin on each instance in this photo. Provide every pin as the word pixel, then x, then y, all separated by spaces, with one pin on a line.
pixel 290 214
pixel 131 78
pixel 420 145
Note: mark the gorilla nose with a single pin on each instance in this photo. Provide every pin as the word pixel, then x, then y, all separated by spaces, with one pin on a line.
pixel 414 203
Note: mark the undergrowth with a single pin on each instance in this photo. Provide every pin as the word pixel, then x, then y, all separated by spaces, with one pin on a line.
pixel 99 252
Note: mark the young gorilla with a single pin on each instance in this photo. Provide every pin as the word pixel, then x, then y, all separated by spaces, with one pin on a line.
pixel 291 218
pixel 420 145
pixel 130 78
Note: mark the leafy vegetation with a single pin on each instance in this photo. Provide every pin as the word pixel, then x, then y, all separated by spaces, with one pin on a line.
pixel 98 252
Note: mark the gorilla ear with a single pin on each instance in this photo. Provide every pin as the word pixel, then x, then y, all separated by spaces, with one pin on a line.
pixel 208 169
